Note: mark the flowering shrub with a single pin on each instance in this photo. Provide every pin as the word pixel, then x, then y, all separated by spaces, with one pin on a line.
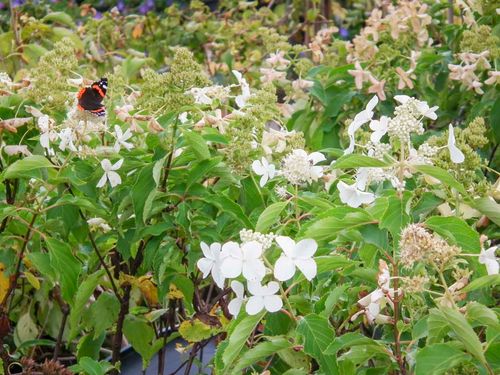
pixel 310 201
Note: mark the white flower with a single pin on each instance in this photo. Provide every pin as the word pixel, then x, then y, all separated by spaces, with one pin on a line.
pixel 47 133
pixel 299 167
pixel 183 117
pixel 295 255
pixel 372 304
pixel 263 297
pixel 488 258
pixel 244 259
pixel 212 262
pixel 264 169
pixel 98 222
pixel 350 195
pixel 110 174
pixel 200 95
pixel 234 306
pixel 379 128
pixel 16 149
pixel 359 120
pixel 241 100
pixel 456 155
pixel 121 139
pixel 66 137
pixel 422 107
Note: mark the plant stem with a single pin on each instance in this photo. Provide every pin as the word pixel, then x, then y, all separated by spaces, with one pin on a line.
pixel 118 337
pixel 397 342
pixel 170 156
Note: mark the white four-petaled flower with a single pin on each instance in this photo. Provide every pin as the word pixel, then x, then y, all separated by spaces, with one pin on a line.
pixel 212 262
pixel 264 169
pixel 360 119
pixel 379 128
pixel 263 297
pixel 352 196
pixel 456 155
pixel 110 174
pixel 122 138
pixel 244 259
pixel 295 255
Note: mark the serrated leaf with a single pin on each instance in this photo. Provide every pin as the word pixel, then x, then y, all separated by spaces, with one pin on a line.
pixel 197 144
pixel 482 282
pixel 358 161
pixel 456 231
pixel 442 176
pixel 438 358
pixel 260 352
pixel 317 335
pixel 104 312
pixel 29 164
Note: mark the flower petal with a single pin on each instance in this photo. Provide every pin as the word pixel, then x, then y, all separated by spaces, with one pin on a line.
pixel 284 268
pixel 102 181
pixel 254 269
pixel 231 249
pixel 231 267
pixel 251 250
pixel 234 306
pixel 238 288
pixel 254 305
pixel 206 250
pixel 205 266
pixel 286 244
pixel 308 267
pixel 305 248
pixel 273 303
pixel 114 178
pixel 258 168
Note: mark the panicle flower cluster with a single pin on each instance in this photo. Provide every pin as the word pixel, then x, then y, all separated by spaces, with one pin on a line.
pixel 419 245
pixel 299 167
pixel 266 240
pixel 406 121
pixel 415 284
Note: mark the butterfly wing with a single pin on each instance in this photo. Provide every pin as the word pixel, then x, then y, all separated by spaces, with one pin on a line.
pixel 90 98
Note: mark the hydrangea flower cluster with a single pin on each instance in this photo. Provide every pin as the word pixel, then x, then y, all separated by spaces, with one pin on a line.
pixel 247 261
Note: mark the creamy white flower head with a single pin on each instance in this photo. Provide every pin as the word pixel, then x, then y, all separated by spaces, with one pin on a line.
pixel 241 100
pixel 299 167
pixel 97 222
pixel 263 297
pixel 379 128
pixel 350 195
pixel 234 306
pixel 295 255
pixel 212 262
pixel 121 139
pixel 421 106
pixel 244 259
pixel 359 120
pixel 264 169
pixel 456 155
pixel 66 138
pixel 489 259
pixel 110 174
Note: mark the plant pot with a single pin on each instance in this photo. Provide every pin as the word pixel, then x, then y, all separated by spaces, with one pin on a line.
pixel 131 361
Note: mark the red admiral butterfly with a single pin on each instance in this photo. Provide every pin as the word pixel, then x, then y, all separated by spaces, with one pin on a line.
pixel 90 98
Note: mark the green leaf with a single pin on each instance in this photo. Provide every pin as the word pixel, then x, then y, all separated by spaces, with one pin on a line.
pixel 197 144
pixel 488 207
pixel 260 352
pixel 28 164
pixel 438 358
pixel 143 191
pixel 349 340
pixel 201 169
pixel 482 282
pixel 66 266
pixel 60 17
pixel 464 332
pixel 442 176
pixel 239 335
pixel 395 217
pixel 142 338
pixel 480 315
pixel 338 219
pixel 357 161
pixel 317 335
pixel 269 216
pixel 230 207
pixel 104 312
pixel 328 263
pixel 88 346
pixel 85 290
pixel 456 231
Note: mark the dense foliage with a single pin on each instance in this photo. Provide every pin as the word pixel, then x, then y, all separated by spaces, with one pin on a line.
pixel 311 185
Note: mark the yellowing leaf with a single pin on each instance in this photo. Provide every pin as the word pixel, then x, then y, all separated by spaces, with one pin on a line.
pixel 32 280
pixel 174 293
pixel 148 289
pixel 4 282
pixel 195 331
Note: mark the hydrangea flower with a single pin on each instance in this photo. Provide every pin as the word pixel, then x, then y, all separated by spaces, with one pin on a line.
pixel 110 174
pixel 234 306
pixel 241 100
pixel 299 167
pixel 379 128
pixel 263 297
pixel 244 259
pixel 121 139
pixel 359 120
pixel 489 259
pixel 422 107
pixel 264 169
pixel 212 262
pixel 295 255
pixel 456 155
pixel 66 137
pixel 98 223
pixel 352 196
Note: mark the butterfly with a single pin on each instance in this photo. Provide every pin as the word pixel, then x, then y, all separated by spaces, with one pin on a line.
pixel 90 98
